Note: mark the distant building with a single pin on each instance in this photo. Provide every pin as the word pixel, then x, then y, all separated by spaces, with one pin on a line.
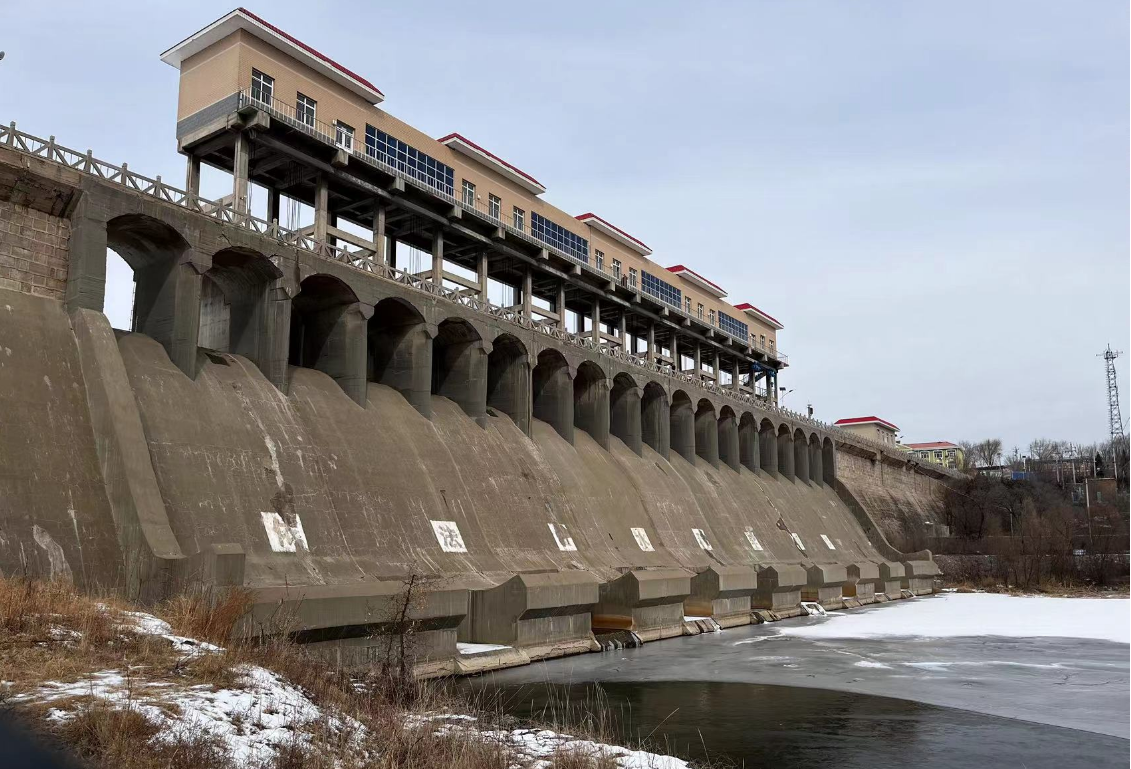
pixel 873 428
pixel 942 453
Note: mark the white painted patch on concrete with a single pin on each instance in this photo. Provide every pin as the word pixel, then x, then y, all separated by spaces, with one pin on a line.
pixel 981 614
pixel 469 649
pixel 828 542
pixel 642 540
pixel 754 543
pixel 56 560
pixel 447 534
pixel 562 537
pixel 701 538
pixel 797 541
pixel 283 537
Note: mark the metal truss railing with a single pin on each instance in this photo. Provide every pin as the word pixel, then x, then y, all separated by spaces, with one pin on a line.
pixel 85 162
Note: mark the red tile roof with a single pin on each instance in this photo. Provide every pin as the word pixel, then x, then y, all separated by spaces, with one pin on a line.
pixel 590 215
pixel 491 155
pixel 747 306
pixel 864 421
pixel 932 445
pixel 681 268
pixel 311 51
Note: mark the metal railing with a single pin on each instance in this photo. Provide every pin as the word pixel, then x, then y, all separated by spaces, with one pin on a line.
pixel 85 162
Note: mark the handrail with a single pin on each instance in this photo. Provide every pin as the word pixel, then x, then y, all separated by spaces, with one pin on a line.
pixel 85 162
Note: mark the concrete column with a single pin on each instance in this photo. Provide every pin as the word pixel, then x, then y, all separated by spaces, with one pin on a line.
pixel 736 376
pixel 816 465
pixel 274 203
pixel 676 364
pixel 801 459
pixel 718 363
pixel 682 430
pixel 460 374
pixel 596 319
pixel 192 174
pixel 785 455
pixel 481 273
pixel 240 159
pixel 379 215
pixel 655 423
pixel 698 362
pixel 438 257
pixel 527 293
pixel 321 208
pixel 86 270
pixel 559 306
pixel 509 387
pixel 274 347
pixel 625 422
pixel 728 442
pixel 167 309
pixel 768 449
pixel 591 408
pixel 707 436
pixel 553 398
pixel 651 352
pixel 624 345
pixel 392 252
pixel 772 386
pixel 748 446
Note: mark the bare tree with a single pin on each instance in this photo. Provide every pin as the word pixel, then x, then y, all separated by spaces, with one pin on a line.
pixel 988 452
pixel 1043 450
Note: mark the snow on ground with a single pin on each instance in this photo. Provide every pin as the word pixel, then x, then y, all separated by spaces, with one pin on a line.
pixel 979 614
pixel 467 648
pixel 536 746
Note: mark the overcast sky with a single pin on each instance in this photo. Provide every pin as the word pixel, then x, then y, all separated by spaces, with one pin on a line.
pixel 931 196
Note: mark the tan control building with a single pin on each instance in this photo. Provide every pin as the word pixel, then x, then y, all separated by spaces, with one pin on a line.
pixel 873 428
pixel 282 116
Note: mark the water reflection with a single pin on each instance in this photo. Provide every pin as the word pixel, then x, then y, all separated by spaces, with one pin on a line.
pixel 755 725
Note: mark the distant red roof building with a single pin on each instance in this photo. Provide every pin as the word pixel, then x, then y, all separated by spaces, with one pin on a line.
pixel 865 421
pixel 932 445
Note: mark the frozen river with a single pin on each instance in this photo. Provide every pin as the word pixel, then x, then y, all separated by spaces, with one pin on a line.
pixel 952 680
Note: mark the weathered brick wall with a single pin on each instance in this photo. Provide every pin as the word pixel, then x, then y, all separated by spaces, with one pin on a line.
pixel 906 505
pixel 33 251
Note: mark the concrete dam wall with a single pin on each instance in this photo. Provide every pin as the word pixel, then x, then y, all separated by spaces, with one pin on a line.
pixel 319 434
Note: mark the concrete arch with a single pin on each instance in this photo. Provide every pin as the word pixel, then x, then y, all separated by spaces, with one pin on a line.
pixel 167 285
pixel 234 307
pixel 768 446
pixel 655 419
pixel 748 442
pixel 459 367
pixel 400 352
pixel 707 431
pixel 553 392
pixel 682 425
pixel 785 452
pixel 625 407
pixel 828 461
pixel 508 380
pixel 591 402
pixel 328 332
pixel 800 456
pixel 816 461
pixel 729 453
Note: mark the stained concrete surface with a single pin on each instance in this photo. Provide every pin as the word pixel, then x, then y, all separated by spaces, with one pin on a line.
pixel 1064 682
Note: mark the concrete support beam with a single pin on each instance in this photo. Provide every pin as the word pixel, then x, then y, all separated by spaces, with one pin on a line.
pixel 438 257
pixel 655 421
pixel 334 341
pixel 274 203
pixel 816 466
pixel 677 364
pixel 380 214
pixel 736 375
pixel 728 442
pixel 624 345
pixel 509 388
pixel 682 430
pixel 591 407
pixel 527 292
pixel 192 174
pixel 274 347
pixel 651 351
pixel 167 309
pixel 241 155
pixel 560 306
pixel 768 449
pixel 800 459
pixel 392 252
pixel 596 320
pixel 321 208
pixel 459 373
pixel 748 446
pixel 401 357
pixel 698 362
pixel 625 421
pixel 481 274
pixel 553 397
pixel 785 455
pixel 86 274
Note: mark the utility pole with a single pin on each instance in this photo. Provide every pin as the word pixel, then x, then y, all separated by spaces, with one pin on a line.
pixel 1114 418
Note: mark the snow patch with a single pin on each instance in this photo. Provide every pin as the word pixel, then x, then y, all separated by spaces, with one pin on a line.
pixel 466 648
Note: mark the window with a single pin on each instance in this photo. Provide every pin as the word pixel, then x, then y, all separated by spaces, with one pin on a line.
pixel 262 87
pixel 559 237
pixel 711 317
pixel 599 256
pixel 662 290
pixel 306 110
pixel 494 206
pixel 762 341
pixel 519 218
pixel 733 327
pixel 616 268
pixel 687 304
pixel 343 136
pixel 409 161
pixel 699 310
pixel 468 193
pixel 771 345
pixel 632 276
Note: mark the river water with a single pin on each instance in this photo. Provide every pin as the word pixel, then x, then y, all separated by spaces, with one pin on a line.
pixel 843 691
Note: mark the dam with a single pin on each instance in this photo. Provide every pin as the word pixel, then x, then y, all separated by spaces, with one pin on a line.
pixel 297 412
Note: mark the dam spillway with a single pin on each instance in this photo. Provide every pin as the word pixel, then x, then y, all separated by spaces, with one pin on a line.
pixel 319 430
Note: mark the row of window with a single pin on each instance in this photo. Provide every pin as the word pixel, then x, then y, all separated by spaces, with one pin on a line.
pixel 421 166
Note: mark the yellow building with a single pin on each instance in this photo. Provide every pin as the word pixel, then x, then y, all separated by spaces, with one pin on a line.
pixel 873 428
pixel 942 453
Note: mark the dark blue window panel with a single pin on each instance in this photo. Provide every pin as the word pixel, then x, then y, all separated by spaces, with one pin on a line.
pixel 662 290
pixel 734 327
pixel 409 161
pixel 559 237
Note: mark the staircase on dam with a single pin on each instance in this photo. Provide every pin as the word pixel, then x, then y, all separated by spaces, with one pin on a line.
pixel 344 430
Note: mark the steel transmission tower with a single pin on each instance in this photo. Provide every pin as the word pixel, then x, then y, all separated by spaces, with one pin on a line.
pixel 1115 419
